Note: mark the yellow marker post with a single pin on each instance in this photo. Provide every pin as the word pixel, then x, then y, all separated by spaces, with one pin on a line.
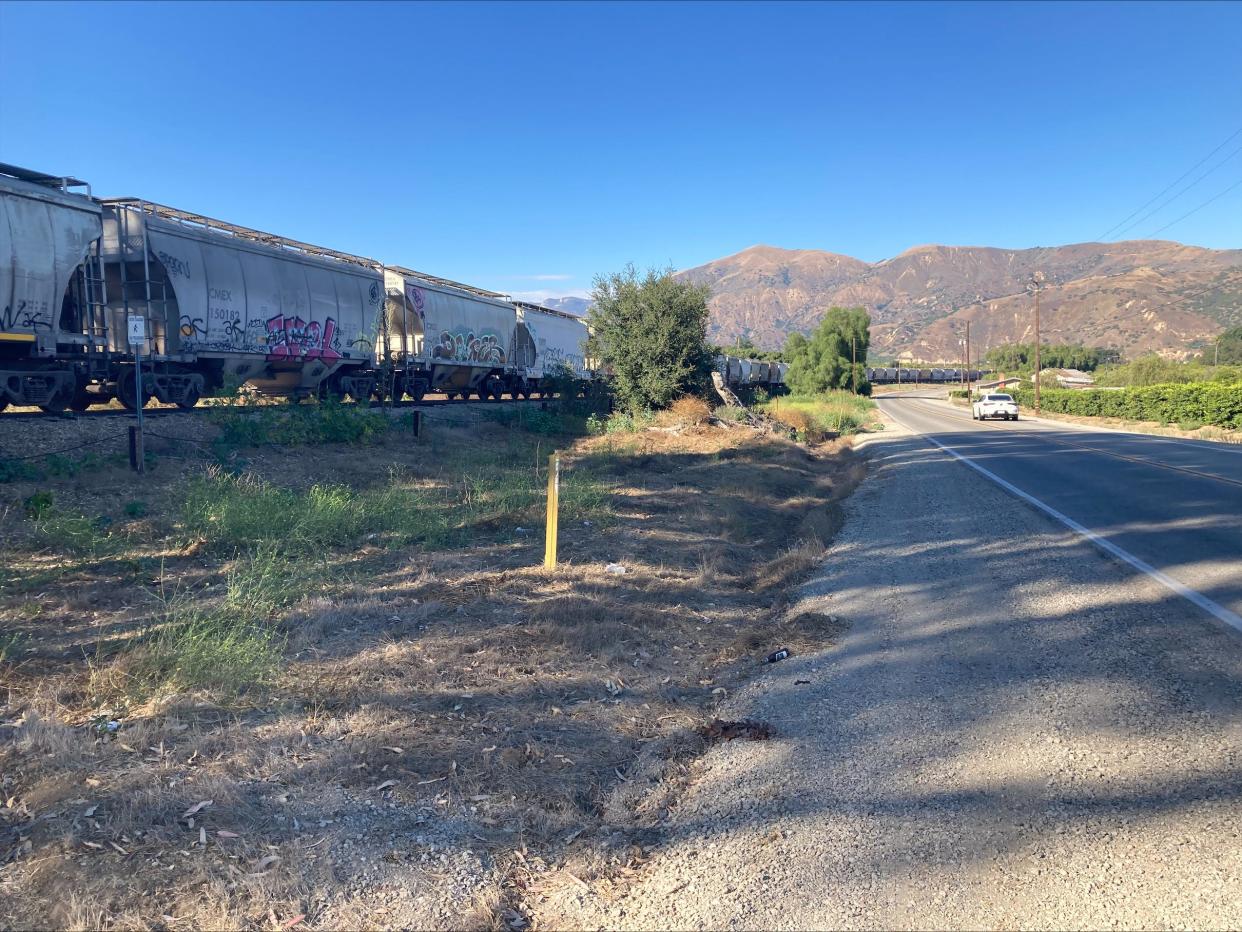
pixel 554 495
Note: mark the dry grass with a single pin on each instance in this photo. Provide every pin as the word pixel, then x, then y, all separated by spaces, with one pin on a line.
pixel 427 703
pixel 687 411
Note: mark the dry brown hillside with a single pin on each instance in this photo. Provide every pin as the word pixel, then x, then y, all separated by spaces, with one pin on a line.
pixel 1136 296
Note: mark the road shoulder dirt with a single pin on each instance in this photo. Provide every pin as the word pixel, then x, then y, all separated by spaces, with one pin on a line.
pixel 1013 731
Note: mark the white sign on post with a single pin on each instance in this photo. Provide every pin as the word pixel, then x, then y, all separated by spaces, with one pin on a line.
pixel 137 331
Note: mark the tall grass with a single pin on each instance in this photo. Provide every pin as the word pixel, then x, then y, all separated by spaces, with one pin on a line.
pixel 293 424
pixel 817 417
pixel 227 644
pixel 244 512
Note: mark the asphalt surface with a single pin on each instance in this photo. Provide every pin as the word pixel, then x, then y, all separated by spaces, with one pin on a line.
pixel 1174 504
pixel 1017 730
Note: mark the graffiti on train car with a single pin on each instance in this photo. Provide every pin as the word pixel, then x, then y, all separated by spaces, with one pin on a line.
pixel 192 328
pixel 294 338
pixel 174 264
pixel 24 317
pixel 466 346
pixel 556 358
pixel 418 299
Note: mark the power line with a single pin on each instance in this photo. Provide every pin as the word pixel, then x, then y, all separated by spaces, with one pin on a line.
pixel 1147 310
pixel 1175 183
pixel 1193 294
pixel 1161 206
pixel 1197 209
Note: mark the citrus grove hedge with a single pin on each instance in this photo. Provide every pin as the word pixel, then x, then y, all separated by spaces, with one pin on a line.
pixel 1193 403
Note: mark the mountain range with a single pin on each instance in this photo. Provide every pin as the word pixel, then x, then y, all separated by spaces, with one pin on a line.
pixel 1137 296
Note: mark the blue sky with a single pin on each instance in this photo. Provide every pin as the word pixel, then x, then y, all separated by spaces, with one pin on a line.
pixel 527 147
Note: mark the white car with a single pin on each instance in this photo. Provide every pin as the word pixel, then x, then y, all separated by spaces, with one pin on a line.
pixel 1001 406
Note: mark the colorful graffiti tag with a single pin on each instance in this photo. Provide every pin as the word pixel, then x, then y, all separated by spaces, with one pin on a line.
pixel 467 346
pixel 294 338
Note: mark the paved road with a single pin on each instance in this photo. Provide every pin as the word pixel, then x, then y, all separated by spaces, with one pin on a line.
pixel 1018 730
pixel 1176 505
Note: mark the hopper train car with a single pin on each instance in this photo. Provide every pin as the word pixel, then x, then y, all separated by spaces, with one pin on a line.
pixel 903 374
pixel 750 374
pixel 92 289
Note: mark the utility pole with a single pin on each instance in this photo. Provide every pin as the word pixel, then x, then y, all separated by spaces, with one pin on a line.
pixel 1037 281
pixel 1216 356
pixel 968 380
pixel 853 364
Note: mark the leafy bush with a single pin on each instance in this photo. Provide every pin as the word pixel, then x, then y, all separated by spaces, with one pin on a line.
pixel 1156 370
pixel 1214 403
pixel 38 504
pixel 18 471
pixel 651 334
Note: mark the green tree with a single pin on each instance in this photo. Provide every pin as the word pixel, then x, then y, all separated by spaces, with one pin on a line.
pixel 651 333
pixel 824 361
pixel 1020 357
pixel 1228 350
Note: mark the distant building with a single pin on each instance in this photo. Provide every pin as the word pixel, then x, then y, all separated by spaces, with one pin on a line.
pixel 999 385
pixel 1068 378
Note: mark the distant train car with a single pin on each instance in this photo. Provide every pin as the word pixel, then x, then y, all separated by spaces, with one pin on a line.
pixel 548 343
pixel 730 369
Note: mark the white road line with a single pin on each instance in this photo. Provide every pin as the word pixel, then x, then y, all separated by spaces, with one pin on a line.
pixel 1190 595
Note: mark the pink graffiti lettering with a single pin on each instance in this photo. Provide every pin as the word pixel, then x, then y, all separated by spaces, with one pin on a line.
pixel 294 338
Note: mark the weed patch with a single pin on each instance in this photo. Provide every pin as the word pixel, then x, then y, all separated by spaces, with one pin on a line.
pixel 243 512
pixel 227 644
pixel 622 422
pixel 819 417
pixel 294 424
pixel 68 532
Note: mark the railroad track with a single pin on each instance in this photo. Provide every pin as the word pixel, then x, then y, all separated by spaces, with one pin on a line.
pixel 171 410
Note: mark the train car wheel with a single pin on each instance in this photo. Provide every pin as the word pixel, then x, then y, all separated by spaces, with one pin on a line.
pixel 190 399
pixel 125 391
pixel 80 403
pixel 57 403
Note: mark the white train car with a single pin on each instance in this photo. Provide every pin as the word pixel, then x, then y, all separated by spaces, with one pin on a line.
pixel 548 344
pixel 224 302
pixel 445 336
pixel 51 326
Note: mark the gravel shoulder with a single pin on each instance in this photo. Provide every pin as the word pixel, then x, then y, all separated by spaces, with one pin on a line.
pixel 1015 731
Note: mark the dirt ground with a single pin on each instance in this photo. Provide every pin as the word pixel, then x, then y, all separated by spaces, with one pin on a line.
pixel 447 725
